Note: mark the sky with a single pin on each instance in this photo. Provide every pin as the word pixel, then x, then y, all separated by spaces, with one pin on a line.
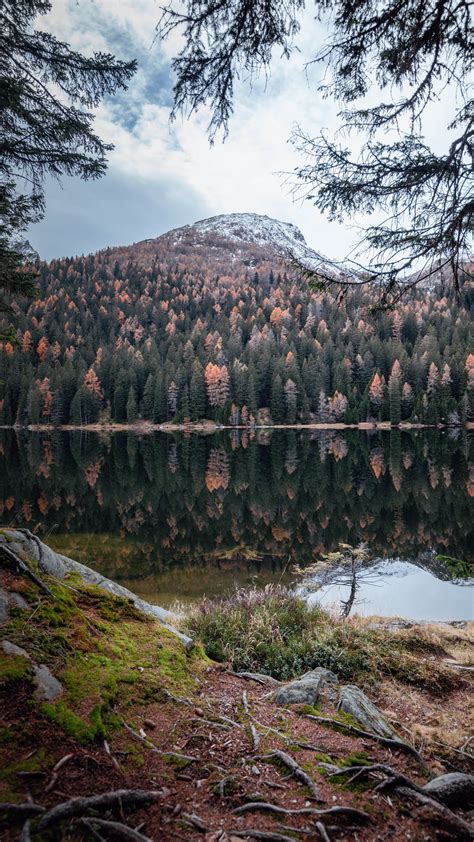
pixel 163 176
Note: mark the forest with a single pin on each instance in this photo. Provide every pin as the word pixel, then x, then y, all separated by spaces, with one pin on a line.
pixel 185 328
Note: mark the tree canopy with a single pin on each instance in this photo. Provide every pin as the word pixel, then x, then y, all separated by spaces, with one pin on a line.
pixel 411 51
pixel 47 93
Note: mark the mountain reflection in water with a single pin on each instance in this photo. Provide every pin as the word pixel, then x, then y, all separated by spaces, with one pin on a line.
pixel 176 517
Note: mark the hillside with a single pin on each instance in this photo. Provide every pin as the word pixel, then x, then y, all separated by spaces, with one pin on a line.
pixel 211 321
pixel 114 728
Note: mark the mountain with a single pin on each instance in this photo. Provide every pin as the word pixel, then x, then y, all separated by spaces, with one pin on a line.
pixel 249 238
pixel 213 320
pixel 283 239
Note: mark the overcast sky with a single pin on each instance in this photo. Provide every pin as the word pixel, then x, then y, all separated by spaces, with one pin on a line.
pixel 161 176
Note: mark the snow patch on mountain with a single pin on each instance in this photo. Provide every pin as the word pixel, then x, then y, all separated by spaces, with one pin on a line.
pixel 282 237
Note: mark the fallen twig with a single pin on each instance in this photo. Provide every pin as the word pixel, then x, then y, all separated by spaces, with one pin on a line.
pixel 54 777
pixel 81 805
pixel 172 754
pixel 267 807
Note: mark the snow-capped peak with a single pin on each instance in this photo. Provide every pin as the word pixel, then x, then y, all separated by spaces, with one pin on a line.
pixel 283 237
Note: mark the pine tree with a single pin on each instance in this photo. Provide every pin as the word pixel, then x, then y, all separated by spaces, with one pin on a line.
pixel 277 401
pixel 148 398
pixel 132 409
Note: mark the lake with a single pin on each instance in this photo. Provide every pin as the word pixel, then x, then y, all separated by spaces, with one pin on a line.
pixel 177 517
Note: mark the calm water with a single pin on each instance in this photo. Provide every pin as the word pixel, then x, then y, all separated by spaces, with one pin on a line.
pixel 177 517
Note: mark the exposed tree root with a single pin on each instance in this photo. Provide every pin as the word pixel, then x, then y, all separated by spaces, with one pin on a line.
pixel 21 565
pixel 25 835
pixel 82 805
pixel 267 807
pixel 253 730
pixel 32 537
pixel 261 834
pixel 397 745
pixel 296 771
pixel 114 830
pixel 19 812
pixel 461 829
pixel 293 741
pixel 322 832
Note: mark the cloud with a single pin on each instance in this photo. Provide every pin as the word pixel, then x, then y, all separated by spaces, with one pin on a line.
pixel 171 171
pixel 117 210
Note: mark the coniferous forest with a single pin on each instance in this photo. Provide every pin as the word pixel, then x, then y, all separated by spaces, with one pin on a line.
pixel 178 329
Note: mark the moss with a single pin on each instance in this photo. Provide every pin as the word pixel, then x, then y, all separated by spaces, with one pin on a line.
pixel 358 758
pixel 177 761
pixel 9 774
pixel 14 668
pixel 105 653
pixel 76 727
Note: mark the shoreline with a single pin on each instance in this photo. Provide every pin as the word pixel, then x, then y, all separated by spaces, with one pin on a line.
pixel 146 427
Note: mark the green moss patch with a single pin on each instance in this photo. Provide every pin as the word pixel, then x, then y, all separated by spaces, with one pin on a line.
pixel 105 653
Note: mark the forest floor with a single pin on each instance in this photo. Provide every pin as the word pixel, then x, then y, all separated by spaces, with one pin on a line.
pixel 137 711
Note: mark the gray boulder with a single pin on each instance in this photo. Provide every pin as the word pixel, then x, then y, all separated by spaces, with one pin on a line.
pixel 13 649
pixel 17 600
pixel 326 676
pixel 454 789
pixel 47 687
pixel 353 701
pixel 305 691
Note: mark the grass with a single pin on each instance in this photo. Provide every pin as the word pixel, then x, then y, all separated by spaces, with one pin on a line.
pixel 274 632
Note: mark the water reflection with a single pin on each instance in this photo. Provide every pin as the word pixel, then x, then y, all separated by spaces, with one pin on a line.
pixel 186 515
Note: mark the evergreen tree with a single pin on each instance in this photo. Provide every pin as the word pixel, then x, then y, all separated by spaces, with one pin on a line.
pixel 132 409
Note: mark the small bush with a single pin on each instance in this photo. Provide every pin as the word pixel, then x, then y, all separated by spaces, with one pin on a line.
pixel 274 632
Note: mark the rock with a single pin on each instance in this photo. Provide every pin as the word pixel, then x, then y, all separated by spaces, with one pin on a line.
pixel 4 612
pixel 48 688
pixel 353 701
pixel 61 566
pixel 454 789
pixel 326 676
pixel 13 649
pixel 17 600
pixel 259 677
pixel 301 692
